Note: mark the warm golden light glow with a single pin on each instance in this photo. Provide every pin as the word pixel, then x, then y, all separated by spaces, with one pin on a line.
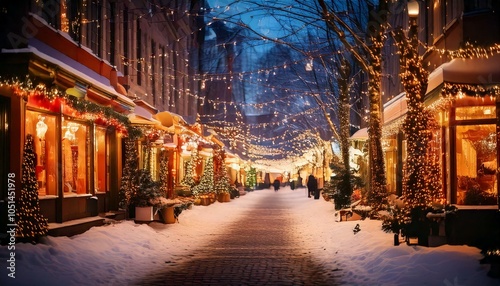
pixel 413 9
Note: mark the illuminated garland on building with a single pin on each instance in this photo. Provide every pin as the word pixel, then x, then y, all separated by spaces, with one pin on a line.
pixel 52 99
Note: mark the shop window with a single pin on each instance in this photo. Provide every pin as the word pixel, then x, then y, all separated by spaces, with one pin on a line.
pixel 74 157
pixel 149 157
pixel 476 164
pixel 42 126
pixel 475 112
pixel 389 146
pixel 100 160
pixel 153 164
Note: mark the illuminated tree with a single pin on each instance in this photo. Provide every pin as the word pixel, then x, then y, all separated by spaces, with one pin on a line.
pixel 251 181
pixel 31 225
pixel 129 187
pixel 292 72
pixel 369 57
pixel 188 179
pixel 206 184
pixel 221 178
pixel 422 181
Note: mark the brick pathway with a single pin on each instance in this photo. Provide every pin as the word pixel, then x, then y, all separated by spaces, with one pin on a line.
pixel 259 250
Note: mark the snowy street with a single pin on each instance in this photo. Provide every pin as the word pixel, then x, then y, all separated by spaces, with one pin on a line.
pixel 125 253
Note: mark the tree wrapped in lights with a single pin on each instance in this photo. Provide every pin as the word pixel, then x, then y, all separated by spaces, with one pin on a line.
pixel 206 184
pixel 189 169
pixel 421 183
pixel 369 58
pixel 31 225
pixel 188 179
pixel 221 178
pixel 415 127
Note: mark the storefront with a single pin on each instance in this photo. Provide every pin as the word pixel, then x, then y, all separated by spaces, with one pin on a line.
pixel 77 120
pixel 469 138
pixel 463 94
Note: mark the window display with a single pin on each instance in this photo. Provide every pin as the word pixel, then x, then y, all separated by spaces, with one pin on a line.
pixel 475 112
pixel 391 152
pixel 476 163
pixel 43 127
pixel 100 160
pixel 74 153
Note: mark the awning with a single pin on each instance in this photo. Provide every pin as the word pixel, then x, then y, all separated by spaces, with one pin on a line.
pixel 168 118
pixel 361 134
pixel 140 120
pixel 75 68
pixel 395 108
pixel 484 71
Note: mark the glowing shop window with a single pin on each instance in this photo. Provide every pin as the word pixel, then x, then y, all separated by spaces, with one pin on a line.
pixel 42 127
pixel 74 161
pixel 100 161
pixel 476 164
pixel 475 112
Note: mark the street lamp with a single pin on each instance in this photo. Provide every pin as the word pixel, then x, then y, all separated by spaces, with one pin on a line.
pixel 413 11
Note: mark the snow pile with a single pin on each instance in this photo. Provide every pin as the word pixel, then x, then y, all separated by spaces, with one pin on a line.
pixel 122 253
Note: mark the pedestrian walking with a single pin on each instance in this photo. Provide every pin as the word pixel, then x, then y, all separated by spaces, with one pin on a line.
pixel 312 185
pixel 276 185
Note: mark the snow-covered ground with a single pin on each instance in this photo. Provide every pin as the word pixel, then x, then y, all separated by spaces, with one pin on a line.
pixel 120 253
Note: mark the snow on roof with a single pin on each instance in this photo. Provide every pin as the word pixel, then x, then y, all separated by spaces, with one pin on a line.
pixel 79 70
pixel 485 71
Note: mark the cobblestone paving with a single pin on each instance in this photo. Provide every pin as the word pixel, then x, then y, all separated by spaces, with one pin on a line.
pixel 258 250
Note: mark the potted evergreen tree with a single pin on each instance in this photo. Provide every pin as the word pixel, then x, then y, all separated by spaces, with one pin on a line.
pixel 143 199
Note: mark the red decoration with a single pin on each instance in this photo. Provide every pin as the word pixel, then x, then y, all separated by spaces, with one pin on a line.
pixel 154 136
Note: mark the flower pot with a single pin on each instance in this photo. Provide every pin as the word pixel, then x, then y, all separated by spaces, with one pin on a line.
pixel 220 197
pixel 227 197
pixel 167 215
pixel 205 201
pixel 144 214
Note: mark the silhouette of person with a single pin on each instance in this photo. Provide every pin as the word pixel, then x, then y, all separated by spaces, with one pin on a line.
pixel 276 185
pixel 312 185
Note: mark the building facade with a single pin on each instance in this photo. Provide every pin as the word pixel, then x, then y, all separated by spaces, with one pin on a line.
pixel 80 76
pixel 462 95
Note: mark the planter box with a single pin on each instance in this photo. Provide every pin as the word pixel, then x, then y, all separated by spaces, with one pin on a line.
pixel 144 214
pixel 223 197
pixel 167 215
pixel 205 201
pixel 220 197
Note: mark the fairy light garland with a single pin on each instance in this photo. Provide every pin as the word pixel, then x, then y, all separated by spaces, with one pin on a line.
pixel 79 108
pixel 229 77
